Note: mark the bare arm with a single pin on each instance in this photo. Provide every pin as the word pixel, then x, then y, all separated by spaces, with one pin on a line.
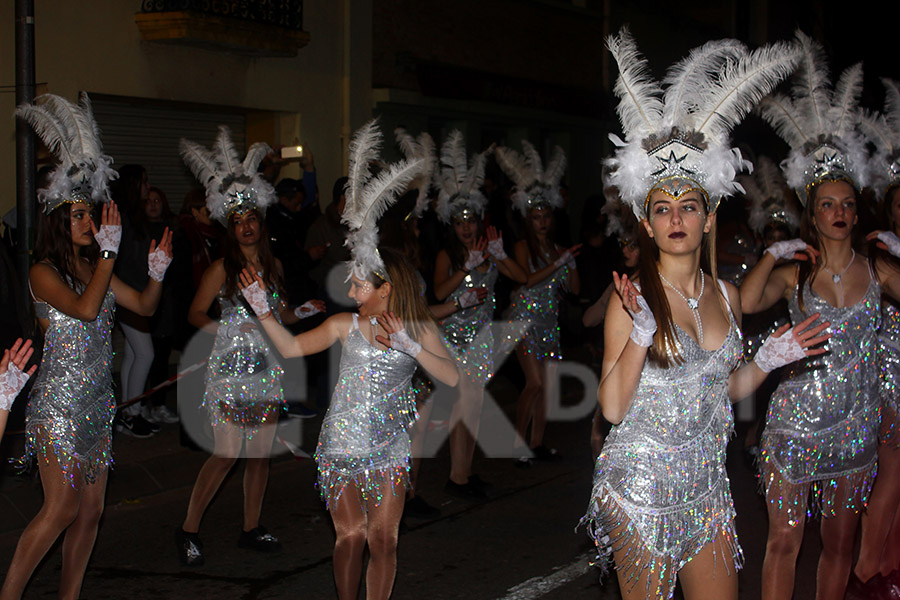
pixel 212 281
pixel 48 286
pixel 765 285
pixel 309 342
pixel 446 280
pixel 145 302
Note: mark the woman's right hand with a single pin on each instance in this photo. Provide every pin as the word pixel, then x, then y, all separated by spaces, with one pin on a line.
pixel 476 255
pixel 795 249
pixel 12 371
pixel 644 322
pixel 110 233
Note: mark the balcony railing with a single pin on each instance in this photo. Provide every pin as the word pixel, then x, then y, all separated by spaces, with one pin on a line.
pixel 257 27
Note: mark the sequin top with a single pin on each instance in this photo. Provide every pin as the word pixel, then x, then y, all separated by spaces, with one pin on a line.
pixel 661 473
pixel 72 405
pixel 536 308
pixel 364 438
pixel 889 356
pixel 243 377
pixel 468 331
pixel 822 422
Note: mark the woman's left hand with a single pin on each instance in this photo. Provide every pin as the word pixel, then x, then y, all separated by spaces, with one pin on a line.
pixel 495 244
pixel 397 338
pixel 779 349
pixel 887 240
pixel 12 371
pixel 254 290
pixel 160 256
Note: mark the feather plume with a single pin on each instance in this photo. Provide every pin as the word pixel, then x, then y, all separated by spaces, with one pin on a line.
pixel 421 147
pixel 741 86
pixel 640 107
pixel 843 113
pixel 255 155
pixel 533 162
pixel 779 111
pixel 78 125
pixel 475 175
pixel 687 81
pixel 811 87
pixel 84 101
pixel 515 166
pixel 52 132
pixel 380 193
pixel 555 168
pixel 453 162
pixel 364 149
pixel 892 104
pixel 199 160
pixel 226 153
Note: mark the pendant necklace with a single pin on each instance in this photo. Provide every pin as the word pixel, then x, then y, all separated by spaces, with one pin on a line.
pixel 836 277
pixel 693 303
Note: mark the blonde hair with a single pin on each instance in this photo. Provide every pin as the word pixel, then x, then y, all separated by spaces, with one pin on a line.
pixel 406 299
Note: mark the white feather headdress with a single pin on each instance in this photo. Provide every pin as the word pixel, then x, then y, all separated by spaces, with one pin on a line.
pixel 883 130
pixel 421 147
pixel 679 129
pixel 769 195
pixel 534 185
pixel 232 185
pixel 368 196
pixel 459 181
pixel 820 125
pixel 70 132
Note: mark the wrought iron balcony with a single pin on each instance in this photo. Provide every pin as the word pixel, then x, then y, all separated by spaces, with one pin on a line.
pixel 254 27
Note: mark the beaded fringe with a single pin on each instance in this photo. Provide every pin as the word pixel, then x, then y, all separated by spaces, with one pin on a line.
pixel 370 485
pixel 612 530
pixel 90 466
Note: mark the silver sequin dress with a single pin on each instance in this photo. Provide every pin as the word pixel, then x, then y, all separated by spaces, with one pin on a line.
pixel 889 370
pixel 660 485
pixel 364 438
pixel 469 333
pixel 537 309
pixel 822 423
pixel 243 377
pixel 72 405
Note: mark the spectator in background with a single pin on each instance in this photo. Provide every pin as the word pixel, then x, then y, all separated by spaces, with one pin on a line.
pixel 326 235
pixel 288 222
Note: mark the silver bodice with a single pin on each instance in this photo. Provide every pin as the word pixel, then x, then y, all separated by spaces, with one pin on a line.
pixel 534 313
pixel 469 333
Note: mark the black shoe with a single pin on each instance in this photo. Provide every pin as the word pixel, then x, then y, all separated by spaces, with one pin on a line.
pixel 299 411
pixel 465 491
pixel 259 539
pixel 523 462
pixel 478 482
pixel 417 507
pixel 189 548
pixel 545 454
pixel 136 426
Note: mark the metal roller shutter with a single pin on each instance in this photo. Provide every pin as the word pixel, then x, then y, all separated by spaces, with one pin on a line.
pixel 146 132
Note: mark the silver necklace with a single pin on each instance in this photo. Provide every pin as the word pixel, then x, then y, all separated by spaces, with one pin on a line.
pixel 693 303
pixel 836 277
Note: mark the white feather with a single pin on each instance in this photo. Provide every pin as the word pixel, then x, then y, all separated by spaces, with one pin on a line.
pixel 226 153
pixel 640 97
pixel 779 111
pixel 843 114
pixel 255 155
pixel 363 150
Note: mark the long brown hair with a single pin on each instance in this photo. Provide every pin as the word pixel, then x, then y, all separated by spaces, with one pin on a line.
pixel 665 342
pixel 234 261
pixel 54 243
pixel 406 299
pixel 808 271
pixel 531 241
pixel 455 248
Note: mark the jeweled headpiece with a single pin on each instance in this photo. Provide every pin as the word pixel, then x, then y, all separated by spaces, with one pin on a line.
pixel 677 138
pixel 820 125
pixel 232 186
pixel 883 130
pixel 368 196
pixel 421 147
pixel 459 181
pixel 770 197
pixel 71 134
pixel 534 185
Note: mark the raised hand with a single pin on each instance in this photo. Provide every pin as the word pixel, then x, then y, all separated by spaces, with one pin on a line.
pixel 780 349
pixel 160 256
pixel 567 255
pixel 495 244
pixel 476 255
pixel 644 322
pixel 795 249
pixel 887 240
pixel 397 338
pixel 254 291
pixel 110 233
pixel 309 308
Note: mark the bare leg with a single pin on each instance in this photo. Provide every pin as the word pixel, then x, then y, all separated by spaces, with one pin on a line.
pixel 631 586
pixel 464 422
pixel 228 441
pixel 80 537
pixel 838 533
pixel 382 529
pixel 529 398
pixel 880 518
pixel 417 435
pixel 60 508
pixel 256 474
pixel 710 577
pixel 350 543
pixel 782 546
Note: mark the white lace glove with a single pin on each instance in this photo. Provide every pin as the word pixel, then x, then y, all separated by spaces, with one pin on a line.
pixel 11 383
pixel 644 324
pixel 786 249
pixel 256 298
pixel 402 342
pixel 564 258
pixel 495 248
pixel 305 310
pixel 109 237
pixel 890 239
pixel 778 351
pixel 475 258
pixel 468 298
pixel 157 262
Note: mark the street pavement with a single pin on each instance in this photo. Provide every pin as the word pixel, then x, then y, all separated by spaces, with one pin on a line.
pixel 521 544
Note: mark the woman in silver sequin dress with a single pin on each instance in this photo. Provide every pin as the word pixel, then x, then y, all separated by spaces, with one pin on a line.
pixel 72 404
pixel 551 271
pixel 661 503
pixel 363 453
